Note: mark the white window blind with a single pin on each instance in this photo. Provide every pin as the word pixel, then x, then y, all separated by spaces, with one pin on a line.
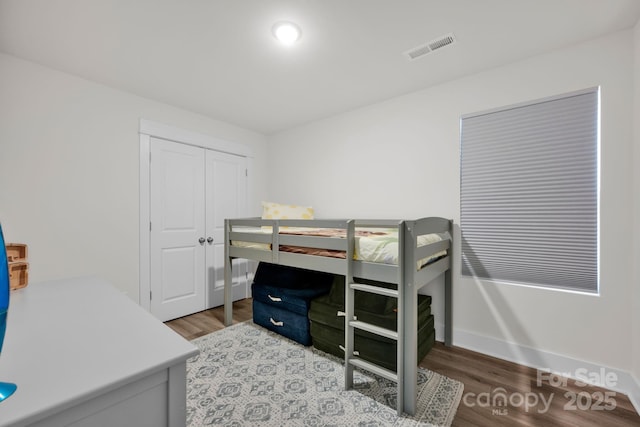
pixel 529 192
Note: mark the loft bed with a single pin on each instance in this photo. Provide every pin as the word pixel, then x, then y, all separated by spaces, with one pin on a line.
pixel 421 250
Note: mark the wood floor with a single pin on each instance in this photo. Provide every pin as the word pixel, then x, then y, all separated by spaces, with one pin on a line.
pixel 530 400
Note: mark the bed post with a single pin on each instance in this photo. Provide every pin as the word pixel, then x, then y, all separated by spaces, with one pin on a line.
pixel 228 282
pixel 349 306
pixel 407 320
pixel 448 294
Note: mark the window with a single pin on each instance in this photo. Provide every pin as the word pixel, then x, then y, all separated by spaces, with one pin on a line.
pixel 529 192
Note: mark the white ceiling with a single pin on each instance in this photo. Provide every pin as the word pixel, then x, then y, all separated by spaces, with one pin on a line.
pixel 218 57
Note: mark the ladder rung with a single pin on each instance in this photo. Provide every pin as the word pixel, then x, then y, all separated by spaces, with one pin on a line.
pixel 384 332
pixel 374 289
pixel 375 369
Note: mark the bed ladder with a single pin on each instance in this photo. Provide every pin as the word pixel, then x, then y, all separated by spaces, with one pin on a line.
pixel 352 323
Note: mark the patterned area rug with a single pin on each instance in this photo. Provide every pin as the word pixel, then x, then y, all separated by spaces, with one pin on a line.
pixel 246 375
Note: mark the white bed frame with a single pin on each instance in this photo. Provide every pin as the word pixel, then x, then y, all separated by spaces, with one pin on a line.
pixel 405 275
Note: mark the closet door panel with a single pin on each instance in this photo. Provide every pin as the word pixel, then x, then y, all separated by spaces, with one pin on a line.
pixel 177 211
pixel 226 187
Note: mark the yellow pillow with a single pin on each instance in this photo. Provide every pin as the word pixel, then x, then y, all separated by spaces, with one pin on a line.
pixel 272 210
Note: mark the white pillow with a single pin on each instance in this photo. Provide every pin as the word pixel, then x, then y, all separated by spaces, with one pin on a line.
pixel 272 210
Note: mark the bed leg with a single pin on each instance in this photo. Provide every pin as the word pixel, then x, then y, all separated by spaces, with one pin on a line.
pixel 228 292
pixel 349 334
pixel 409 341
pixel 448 309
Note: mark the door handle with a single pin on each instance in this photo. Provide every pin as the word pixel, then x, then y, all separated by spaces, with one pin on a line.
pixel 210 240
pixel 201 240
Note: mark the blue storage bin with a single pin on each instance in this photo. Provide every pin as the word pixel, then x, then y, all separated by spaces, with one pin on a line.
pixel 291 299
pixel 284 322
pixel 282 296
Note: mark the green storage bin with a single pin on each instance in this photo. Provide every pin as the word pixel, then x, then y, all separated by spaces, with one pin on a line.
pixel 327 326
pixel 372 348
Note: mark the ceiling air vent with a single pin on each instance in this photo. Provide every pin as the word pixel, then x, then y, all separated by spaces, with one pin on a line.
pixel 433 45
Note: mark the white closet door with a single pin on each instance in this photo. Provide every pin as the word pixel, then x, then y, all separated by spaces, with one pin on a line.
pixel 177 212
pixel 226 188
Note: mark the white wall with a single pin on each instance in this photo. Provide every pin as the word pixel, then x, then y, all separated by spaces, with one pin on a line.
pixel 69 167
pixel 400 158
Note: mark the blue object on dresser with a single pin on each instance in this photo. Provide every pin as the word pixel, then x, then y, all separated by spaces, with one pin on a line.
pixel 282 296
pixel 6 389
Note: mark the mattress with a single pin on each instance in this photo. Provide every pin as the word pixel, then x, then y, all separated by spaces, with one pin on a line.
pixel 379 245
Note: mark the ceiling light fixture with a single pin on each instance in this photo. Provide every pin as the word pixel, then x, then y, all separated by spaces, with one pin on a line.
pixel 286 32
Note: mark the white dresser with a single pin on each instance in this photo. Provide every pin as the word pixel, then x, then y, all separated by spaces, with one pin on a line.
pixel 83 354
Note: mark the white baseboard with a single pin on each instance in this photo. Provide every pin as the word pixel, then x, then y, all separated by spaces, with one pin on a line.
pixel 624 382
